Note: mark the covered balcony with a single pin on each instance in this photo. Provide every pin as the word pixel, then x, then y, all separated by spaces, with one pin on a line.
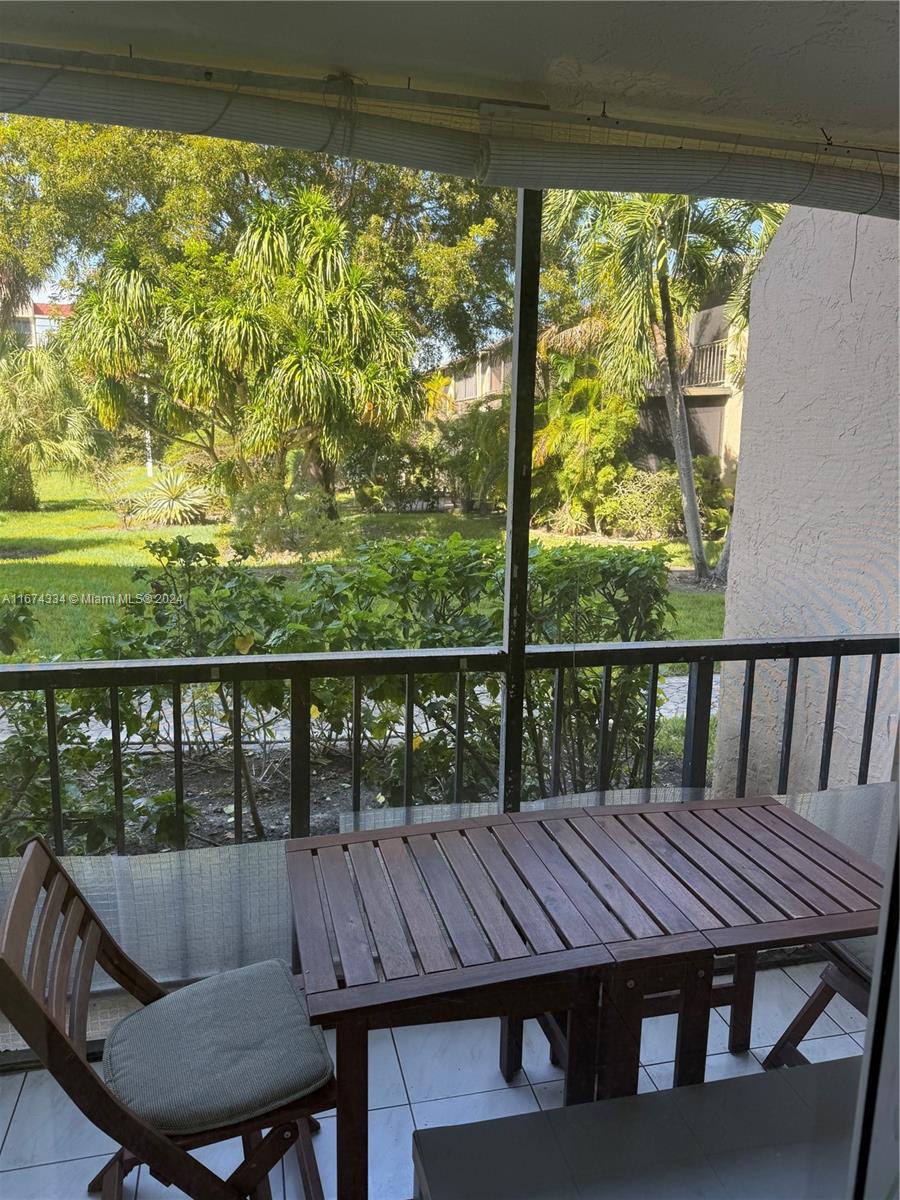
pixel 725 863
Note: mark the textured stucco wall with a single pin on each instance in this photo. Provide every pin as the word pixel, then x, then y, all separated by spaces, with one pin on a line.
pixel 815 541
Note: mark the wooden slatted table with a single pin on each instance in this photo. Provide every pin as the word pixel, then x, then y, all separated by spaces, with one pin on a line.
pixel 513 915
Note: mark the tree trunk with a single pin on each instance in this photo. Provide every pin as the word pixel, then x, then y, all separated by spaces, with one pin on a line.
pixel 667 356
pixel 322 475
pixel 720 571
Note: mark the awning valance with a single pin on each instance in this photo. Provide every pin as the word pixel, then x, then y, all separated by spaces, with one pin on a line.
pixel 500 145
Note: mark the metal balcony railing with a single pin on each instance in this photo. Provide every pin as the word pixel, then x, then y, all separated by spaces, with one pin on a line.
pixel 601 660
pixel 707 365
pixel 707 368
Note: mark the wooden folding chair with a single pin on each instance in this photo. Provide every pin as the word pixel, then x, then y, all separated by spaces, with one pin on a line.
pixel 50 942
pixel 848 973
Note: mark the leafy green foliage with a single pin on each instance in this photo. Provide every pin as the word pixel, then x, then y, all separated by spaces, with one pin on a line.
pixel 85 774
pixel 16 626
pixel 283 345
pixel 442 247
pixel 44 421
pixel 583 427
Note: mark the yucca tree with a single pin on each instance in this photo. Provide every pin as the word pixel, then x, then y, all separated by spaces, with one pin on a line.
pixel 285 345
pixel 647 262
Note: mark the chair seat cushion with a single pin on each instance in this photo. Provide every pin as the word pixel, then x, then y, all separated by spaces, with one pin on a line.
pixel 228 1048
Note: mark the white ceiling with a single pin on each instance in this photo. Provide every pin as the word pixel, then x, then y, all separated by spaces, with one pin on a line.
pixel 785 69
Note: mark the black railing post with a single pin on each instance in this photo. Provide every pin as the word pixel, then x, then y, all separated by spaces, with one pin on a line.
pixel 740 788
pixel 178 764
pixel 559 706
pixel 650 727
pixel 409 733
pixel 696 724
pixel 300 756
pixel 459 746
pixel 787 725
pixel 356 746
pixel 518 505
pixel 115 726
pixel 869 721
pixel 56 816
pixel 834 676
pixel 604 741
pixel 237 738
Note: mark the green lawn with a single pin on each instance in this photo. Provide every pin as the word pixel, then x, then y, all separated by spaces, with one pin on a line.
pixel 75 547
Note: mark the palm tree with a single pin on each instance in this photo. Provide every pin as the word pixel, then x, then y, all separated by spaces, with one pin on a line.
pixel 287 345
pixel 647 262
pixel 45 421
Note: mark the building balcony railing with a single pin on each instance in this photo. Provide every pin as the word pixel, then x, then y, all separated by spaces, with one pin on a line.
pixel 707 367
pixel 617 690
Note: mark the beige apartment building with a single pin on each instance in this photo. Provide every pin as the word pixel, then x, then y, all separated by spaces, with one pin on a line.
pixel 712 387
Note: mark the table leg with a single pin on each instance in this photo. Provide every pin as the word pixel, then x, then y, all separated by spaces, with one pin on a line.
pixel 742 1006
pixel 511 1030
pixel 618 1058
pixel 581 1058
pixel 693 1022
pixel 352 1069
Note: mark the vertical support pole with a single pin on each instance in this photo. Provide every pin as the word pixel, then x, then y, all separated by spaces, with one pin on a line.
pixel 603 739
pixel 869 721
pixel 518 501
pixel 696 724
pixel 787 726
pixel 834 675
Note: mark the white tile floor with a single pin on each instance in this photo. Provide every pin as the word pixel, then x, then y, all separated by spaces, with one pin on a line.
pixel 419 1077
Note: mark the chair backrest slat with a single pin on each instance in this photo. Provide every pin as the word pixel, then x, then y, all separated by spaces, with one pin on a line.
pixel 22 903
pixel 61 966
pixel 45 935
pixel 81 987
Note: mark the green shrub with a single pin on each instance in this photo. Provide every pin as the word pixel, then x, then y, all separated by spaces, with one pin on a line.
pixel 397 475
pixel 647 504
pixel 269 518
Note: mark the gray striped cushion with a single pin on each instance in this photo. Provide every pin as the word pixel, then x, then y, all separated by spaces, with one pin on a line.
pixel 222 1050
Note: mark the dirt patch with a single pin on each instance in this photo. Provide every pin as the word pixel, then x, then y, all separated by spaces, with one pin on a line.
pixel 683 579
